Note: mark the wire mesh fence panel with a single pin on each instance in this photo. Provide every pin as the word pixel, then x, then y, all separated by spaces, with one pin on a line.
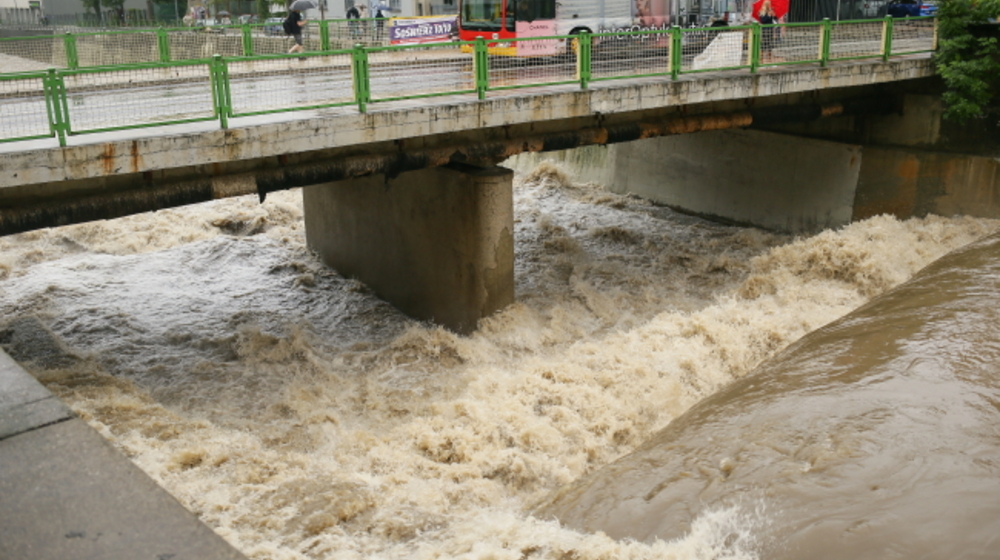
pixel 287 83
pixel 794 43
pixel 23 112
pixel 229 43
pixel 621 55
pixel 417 72
pixel 265 43
pixel 195 45
pixel 311 38
pixel 912 35
pixel 25 54
pixel 533 62
pixel 107 49
pixel 111 99
pixel 856 39
pixel 349 32
pixel 713 48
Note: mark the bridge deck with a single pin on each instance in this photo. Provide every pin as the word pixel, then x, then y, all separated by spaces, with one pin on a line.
pixel 272 135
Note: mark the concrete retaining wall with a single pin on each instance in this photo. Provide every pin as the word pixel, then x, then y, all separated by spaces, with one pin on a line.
pixel 774 181
pixel 66 492
pixel 908 183
pixel 784 182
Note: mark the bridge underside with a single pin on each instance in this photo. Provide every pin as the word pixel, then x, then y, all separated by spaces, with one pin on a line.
pixel 805 177
pixel 426 220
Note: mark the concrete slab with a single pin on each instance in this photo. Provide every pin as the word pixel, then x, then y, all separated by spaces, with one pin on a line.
pixel 65 492
pixel 24 403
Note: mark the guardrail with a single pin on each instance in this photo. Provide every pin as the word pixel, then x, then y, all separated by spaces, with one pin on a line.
pixel 65 102
pixel 73 50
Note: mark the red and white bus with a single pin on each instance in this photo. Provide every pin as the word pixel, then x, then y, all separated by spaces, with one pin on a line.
pixel 498 21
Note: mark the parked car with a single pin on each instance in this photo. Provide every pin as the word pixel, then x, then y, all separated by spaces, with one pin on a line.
pixel 273 26
pixel 210 25
pixel 903 8
pixel 929 8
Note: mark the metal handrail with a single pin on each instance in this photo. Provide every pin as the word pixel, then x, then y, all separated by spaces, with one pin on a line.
pixel 221 87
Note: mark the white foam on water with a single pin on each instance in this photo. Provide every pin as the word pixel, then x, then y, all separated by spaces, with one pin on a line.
pixel 300 417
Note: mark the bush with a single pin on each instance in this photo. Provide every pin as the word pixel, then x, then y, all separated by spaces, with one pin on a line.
pixel 968 57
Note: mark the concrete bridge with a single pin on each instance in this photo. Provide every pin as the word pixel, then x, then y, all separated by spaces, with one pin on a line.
pixel 408 198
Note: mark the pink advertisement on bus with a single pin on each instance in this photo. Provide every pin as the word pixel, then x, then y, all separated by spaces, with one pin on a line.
pixel 652 14
pixel 537 28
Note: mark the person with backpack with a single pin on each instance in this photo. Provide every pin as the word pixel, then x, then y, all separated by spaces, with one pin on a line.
pixel 293 26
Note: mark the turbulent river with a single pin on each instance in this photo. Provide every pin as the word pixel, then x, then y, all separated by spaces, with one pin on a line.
pixel 302 418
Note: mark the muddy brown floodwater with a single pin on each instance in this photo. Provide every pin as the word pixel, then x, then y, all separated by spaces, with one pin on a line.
pixel 302 418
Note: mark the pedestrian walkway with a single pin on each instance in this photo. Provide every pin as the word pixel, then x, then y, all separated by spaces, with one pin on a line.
pixel 66 493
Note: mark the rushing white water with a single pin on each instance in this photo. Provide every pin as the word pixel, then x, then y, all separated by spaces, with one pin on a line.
pixel 872 437
pixel 301 417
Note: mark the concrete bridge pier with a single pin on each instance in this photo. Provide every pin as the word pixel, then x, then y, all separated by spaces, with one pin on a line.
pixel 775 181
pixel 436 243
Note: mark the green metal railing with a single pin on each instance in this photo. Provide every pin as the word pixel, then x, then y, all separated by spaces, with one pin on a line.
pixel 172 44
pixel 80 99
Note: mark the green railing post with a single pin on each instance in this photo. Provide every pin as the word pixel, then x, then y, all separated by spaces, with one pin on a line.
pixel 824 42
pixel 56 106
pixel 585 42
pixel 72 58
pixel 163 44
pixel 676 51
pixel 221 99
pixel 754 47
pixel 324 35
pixel 247 39
pixel 362 83
pixel 480 67
pixel 886 38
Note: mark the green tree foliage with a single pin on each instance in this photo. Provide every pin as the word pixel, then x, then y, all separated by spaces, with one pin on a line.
pixel 168 10
pixel 968 57
pixel 112 7
pixel 92 6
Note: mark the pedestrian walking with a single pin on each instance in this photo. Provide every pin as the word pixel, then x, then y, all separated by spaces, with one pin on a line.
pixel 353 15
pixel 293 26
pixel 379 23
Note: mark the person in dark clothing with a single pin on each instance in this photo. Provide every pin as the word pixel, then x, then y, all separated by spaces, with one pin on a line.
pixel 379 22
pixel 355 26
pixel 293 26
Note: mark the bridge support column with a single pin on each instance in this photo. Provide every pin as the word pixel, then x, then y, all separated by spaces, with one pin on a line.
pixel 436 243
pixel 769 180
